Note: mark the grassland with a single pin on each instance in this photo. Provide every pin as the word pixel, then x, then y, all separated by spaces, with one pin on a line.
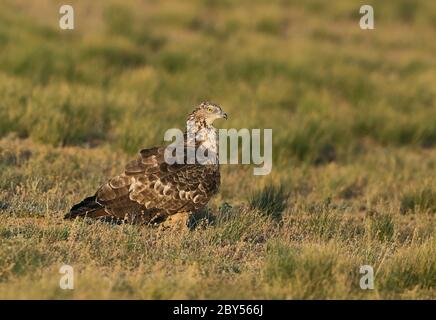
pixel 353 115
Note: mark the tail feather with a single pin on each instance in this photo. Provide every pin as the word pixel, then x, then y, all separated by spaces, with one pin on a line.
pixel 88 207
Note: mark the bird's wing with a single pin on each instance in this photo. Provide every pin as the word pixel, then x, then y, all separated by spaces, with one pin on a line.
pixel 152 184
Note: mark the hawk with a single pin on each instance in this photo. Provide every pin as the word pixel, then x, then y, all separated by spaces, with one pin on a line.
pixel 150 190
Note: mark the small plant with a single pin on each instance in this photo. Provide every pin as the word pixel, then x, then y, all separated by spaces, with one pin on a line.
pixel 382 227
pixel 271 200
pixel 424 200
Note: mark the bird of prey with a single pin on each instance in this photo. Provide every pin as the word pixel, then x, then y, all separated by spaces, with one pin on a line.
pixel 151 190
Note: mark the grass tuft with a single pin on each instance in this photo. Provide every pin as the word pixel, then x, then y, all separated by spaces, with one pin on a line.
pixel 382 227
pixel 270 200
pixel 424 200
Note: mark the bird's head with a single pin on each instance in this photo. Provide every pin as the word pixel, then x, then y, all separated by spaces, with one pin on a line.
pixel 206 113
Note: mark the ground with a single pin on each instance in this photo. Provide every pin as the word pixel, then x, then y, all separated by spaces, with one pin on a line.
pixel 353 115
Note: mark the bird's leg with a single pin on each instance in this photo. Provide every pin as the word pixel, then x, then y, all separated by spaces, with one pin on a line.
pixel 178 221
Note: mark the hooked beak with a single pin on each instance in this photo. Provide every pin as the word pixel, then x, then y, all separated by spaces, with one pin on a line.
pixel 224 115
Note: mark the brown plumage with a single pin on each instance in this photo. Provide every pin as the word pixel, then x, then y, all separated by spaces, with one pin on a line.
pixel 150 190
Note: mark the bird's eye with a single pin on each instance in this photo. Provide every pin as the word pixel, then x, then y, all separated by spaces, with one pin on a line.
pixel 209 109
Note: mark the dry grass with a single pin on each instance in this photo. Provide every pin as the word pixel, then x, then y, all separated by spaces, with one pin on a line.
pixel 314 251
pixel 353 118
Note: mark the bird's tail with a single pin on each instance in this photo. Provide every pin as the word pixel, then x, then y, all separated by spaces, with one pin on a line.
pixel 88 207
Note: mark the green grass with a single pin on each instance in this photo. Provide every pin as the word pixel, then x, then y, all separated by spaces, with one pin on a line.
pixel 353 115
pixel 424 200
pixel 271 201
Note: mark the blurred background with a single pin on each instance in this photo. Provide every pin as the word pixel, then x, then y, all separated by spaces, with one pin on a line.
pixel 132 69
